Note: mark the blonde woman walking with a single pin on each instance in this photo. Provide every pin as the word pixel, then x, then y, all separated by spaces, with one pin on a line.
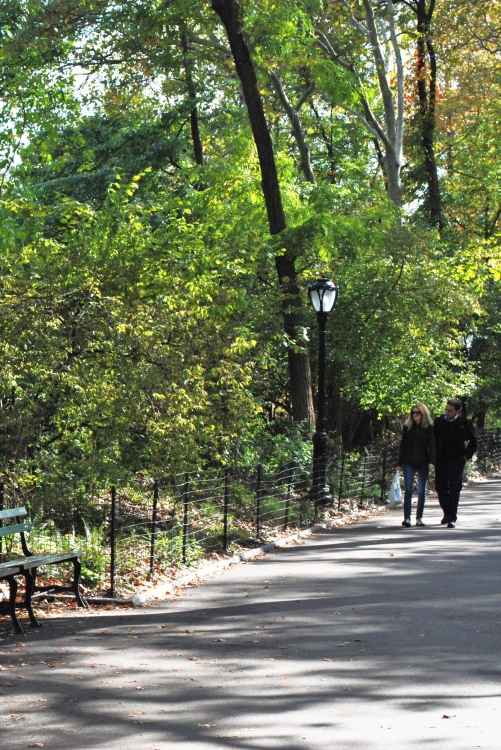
pixel 416 456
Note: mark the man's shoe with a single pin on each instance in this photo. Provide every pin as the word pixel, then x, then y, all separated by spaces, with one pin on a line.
pixel 451 525
pixel 419 522
pixel 443 521
pixel 406 522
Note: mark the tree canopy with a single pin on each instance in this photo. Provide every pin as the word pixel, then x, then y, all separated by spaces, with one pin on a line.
pixel 175 174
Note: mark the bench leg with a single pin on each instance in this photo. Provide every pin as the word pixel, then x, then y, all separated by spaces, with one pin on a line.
pixel 29 577
pixel 12 604
pixel 77 569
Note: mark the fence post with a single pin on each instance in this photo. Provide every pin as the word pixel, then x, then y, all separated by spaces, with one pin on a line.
pixel 258 500
pixel 341 480
pixel 226 505
pixel 288 498
pixel 185 513
pixel 113 539
pixel 362 489
pixel 153 526
pixel 383 476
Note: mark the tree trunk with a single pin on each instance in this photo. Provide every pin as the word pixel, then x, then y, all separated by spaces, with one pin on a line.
pixel 195 129
pixel 390 135
pixel 426 88
pixel 230 13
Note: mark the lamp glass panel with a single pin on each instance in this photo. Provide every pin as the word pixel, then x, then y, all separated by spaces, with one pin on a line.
pixel 315 300
pixel 329 299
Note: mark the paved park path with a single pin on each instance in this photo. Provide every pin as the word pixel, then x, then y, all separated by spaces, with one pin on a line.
pixel 366 637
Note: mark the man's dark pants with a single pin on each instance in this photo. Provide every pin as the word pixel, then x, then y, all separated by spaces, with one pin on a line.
pixel 448 484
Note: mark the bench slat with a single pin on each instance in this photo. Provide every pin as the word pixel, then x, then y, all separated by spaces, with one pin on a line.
pixel 7 569
pixel 13 513
pixel 6 530
pixel 38 560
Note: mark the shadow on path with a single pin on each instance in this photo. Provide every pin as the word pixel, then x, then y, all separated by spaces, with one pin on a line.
pixel 365 636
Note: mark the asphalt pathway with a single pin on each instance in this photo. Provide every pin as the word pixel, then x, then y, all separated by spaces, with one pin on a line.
pixel 367 636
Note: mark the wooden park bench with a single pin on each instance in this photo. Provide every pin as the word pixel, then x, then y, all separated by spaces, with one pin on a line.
pixel 28 564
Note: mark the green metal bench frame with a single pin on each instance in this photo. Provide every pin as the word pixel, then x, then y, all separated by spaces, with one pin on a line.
pixel 28 566
pixel 8 572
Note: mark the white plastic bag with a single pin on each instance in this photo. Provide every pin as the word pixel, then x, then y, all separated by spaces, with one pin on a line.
pixel 395 498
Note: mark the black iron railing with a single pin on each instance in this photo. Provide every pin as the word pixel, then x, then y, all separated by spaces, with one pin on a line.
pixel 144 527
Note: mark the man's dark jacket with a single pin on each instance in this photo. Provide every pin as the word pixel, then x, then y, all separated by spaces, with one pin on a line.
pixel 454 439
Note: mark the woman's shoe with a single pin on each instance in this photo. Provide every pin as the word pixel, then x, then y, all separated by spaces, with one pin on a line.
pixel 419 522
pixel 406 522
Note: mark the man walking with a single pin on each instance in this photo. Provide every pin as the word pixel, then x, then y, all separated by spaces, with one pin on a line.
pixel 455 443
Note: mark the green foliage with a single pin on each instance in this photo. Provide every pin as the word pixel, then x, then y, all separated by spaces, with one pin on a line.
pixel 140 320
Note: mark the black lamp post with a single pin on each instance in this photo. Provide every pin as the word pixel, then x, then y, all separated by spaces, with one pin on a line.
pixel 467 341
pixel 323 294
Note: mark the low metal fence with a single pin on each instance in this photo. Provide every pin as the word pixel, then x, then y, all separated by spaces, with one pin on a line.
pixel 146 527
pixel 360 478
pixel 488 455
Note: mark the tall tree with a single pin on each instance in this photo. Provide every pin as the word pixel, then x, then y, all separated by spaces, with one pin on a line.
pixel 378 30
pixel 231 15
pixel 425 77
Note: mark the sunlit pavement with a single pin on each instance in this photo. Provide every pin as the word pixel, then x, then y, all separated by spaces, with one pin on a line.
pixel 368 636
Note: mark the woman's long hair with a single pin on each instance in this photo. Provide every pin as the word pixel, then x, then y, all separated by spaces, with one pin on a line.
pixel 426 420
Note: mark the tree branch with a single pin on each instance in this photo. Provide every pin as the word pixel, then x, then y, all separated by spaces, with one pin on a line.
pixel 297 130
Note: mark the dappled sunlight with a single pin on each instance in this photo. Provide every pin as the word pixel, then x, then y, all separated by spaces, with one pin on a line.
pixel 357 635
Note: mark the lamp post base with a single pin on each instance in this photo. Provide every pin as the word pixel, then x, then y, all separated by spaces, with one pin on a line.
pixel 320 492
pixel 323 497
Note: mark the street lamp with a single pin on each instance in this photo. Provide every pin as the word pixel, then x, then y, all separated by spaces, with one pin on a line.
pixel 323 294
